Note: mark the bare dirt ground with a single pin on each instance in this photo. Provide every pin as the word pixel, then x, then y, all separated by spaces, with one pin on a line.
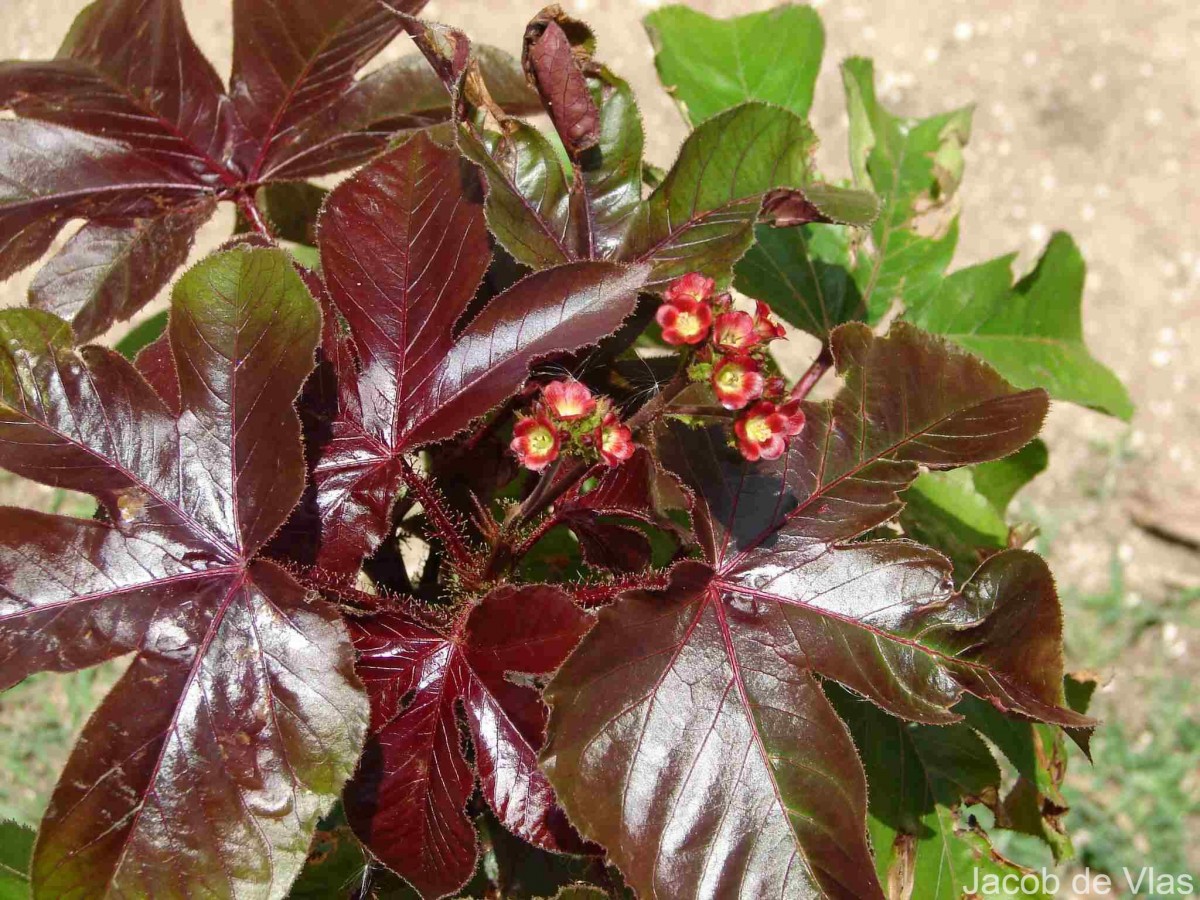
pixel 1088 120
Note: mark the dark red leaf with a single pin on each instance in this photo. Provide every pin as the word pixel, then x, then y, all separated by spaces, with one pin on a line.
pixel 207 766
pixel 404 247
pixel 131 129
pixel 408 799
pixel 627 491
pixel 53 174
pixel 294 62
pixel 106 273
pixel 130 71
pixel 651 704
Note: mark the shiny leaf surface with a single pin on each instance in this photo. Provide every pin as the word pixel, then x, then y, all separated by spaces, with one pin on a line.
pixel 408 799
pixel 205 768
pixel 700 217
pixel 105 274
pixel 711 681
pixel 404 247
pixel 131 129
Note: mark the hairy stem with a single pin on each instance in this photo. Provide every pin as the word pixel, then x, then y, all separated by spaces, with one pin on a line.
pixel 445 528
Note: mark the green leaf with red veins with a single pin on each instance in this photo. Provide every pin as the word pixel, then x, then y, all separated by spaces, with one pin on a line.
pixel 408 799
pixel 206 767
pixel 403 248
pixel 707 689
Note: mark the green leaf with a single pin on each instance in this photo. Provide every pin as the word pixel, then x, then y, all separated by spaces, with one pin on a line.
pixel 1000 481
pixel 1032 332
pixel 962 512
pixel 16 851
pixel 142 335
pixel 920 777
pixel 915 166
pixel 702 216
pixel 709 65
pixel 1035 804
pixel 803 273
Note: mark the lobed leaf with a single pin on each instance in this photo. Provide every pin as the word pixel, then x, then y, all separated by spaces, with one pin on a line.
pixel 1032 332
pixel 408 800
pixel 709 65
pixel 207 765
pixel 916 167
pixel 131 129
pixel 698 706
pixel 294 62
pixel 920 779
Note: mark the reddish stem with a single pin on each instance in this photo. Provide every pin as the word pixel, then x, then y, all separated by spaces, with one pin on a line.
pixel 588 595
pixel 249 208
pixel 445 526
pixel 816 371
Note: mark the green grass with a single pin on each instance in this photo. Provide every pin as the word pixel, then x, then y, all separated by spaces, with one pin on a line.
pixel 1139 804
pixel 40 719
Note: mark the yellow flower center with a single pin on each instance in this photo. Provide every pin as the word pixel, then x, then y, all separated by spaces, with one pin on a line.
pixel 758 429
pixel 730 378
pixel 687 324
pixel 540 441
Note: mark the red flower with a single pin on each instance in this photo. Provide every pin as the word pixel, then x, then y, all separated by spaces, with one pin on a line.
pixel 765 327
pixel 569 399
pixel 735 332
pixel 692 286
pixel 793 416
pixel 684 321
pixel 614 440
pixel 736 381
pixel 764 430
pixel 535 441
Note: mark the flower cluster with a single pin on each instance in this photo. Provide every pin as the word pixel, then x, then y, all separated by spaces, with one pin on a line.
pixel 730 345
pixel 730 353
pixel 568 417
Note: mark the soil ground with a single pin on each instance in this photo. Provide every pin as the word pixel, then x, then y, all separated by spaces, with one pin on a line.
pixel 1088 120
